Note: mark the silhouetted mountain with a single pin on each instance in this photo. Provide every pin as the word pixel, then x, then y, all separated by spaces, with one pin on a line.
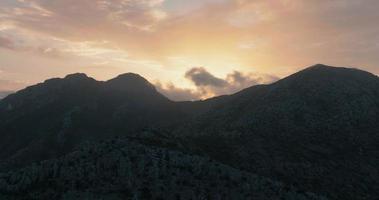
pixel 316 130
pixel 49 119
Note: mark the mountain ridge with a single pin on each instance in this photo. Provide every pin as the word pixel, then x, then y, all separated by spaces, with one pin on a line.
pixel 319 124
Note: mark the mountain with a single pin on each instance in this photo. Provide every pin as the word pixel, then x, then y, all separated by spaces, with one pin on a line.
pixel 316 130
pixel 51 118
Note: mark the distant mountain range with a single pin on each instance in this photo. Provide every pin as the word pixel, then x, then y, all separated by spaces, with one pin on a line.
pixel 313 135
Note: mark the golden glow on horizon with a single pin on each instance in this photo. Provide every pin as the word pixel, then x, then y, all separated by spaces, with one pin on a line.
pixel 163 39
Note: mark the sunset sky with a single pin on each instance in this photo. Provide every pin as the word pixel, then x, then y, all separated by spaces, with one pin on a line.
pixel 189 48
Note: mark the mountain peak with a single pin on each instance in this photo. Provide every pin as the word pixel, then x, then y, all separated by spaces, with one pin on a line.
pixel 128 78
pixel 324 77
pixel 319 65
pixel 332 70
pixel 130 82
pixel 325 68
pixel 321 71
pixel 77 76
pixel 130 75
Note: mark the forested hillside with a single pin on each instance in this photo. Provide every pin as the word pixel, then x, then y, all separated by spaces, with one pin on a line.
pixel 123 169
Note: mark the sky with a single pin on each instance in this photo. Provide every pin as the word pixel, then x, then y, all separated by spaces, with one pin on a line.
pixel 189 49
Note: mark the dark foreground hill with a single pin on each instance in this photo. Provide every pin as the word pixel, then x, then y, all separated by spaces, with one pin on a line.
pixel 316 130
pixel 122 169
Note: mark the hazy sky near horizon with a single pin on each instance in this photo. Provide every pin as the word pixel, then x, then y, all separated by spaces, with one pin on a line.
pixel 189 49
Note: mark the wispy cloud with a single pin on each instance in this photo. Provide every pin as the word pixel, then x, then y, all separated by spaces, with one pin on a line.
pixel 84 14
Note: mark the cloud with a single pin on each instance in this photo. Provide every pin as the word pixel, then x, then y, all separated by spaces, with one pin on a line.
pixel 6 43
pixel 238 80
pixel 82 32
pixel 84 15
pixel 18 40
pixel 21 40
pixel 207 85
pixel 201 77
pixel 177 94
